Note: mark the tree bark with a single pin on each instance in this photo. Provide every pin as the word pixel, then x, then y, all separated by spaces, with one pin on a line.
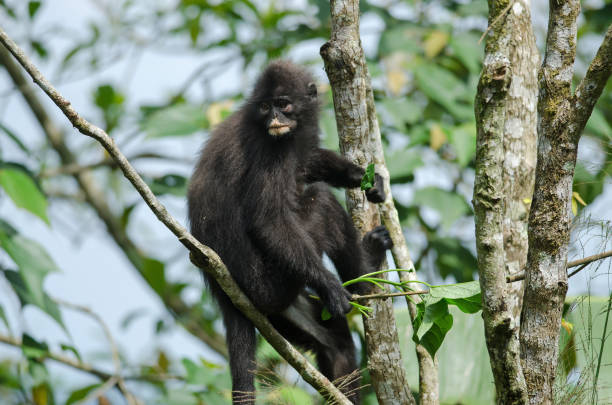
pixel 359 135
pixel 505 117
pixel 561 120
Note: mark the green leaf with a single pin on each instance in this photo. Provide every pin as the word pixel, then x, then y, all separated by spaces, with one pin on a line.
pixel 401 111
pixel 34 264
pixel 402 163
pixel 450 205
pixel 33 7
pixel 81 393
pixel 405 38
pixel 444 88
pixel 463 140
pixel 431 325
pixel 72 349
pixel 4 318
pixel 367 182
pixel 22 189
pixel 598 125
pixel 13 137
pixel 454 259
pixel 466 296
pixel 459 290
pixel 325 315
pixel 467 49
pixel 173 184
pixel 39 48
pixel 32 348
pixel 153 271
pixel 177 120
pixel 110 101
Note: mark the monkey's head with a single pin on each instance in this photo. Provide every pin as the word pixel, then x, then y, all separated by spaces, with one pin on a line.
pixel 284 99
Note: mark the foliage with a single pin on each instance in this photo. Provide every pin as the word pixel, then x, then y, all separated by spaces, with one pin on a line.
pixel 424 74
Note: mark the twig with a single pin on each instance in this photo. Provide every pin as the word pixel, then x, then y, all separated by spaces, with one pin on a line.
pixel 87 368
pixel 580 262
pixel 214 265
pixel 388 295
pixel 504 11
pixel 103 375
pixel 75 168
pixel 130 398
pixel 98 392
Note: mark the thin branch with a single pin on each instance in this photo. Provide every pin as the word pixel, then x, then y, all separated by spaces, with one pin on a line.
pixel 580 262
pixel 213 264
pixel 388 295
pixel 93 195
pixel 76 364
pixel 75 168
pixel 87 368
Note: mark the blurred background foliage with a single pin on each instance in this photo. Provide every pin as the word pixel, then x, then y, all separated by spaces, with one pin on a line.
pixel 424 58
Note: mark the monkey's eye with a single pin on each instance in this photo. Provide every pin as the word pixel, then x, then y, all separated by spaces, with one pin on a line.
pixel 264 108
pixel 284 105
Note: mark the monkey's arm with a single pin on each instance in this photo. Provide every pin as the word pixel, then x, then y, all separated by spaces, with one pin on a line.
pixel 328 166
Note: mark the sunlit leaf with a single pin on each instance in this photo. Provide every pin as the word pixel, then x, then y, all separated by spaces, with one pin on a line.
pixel 434 43
pixel 437 137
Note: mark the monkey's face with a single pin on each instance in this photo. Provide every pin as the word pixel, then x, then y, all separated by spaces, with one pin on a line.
pixel 279 115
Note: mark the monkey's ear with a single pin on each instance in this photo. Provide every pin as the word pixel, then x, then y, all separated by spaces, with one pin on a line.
pixel 312 90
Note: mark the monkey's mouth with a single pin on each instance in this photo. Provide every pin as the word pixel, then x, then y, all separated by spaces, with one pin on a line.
pixel 277 130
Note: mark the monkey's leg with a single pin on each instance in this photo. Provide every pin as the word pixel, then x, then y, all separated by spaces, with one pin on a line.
pixel 240 337
pixel 330 340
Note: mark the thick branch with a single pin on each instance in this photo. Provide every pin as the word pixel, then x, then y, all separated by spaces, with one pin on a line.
pixel 505 119
pixel 590 88
pixel 214 265
pixel 184 314
pixel 550 214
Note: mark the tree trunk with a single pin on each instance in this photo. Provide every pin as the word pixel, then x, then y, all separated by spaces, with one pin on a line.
pixel 360 141
pixel 506 120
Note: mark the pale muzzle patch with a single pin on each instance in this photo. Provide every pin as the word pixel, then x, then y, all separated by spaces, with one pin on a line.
pixel 276 128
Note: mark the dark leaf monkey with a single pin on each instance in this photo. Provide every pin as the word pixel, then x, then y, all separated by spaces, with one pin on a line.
pixel 260 197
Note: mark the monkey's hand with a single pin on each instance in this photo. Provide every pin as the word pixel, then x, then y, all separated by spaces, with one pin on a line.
pixel 376 193
pixel 335 297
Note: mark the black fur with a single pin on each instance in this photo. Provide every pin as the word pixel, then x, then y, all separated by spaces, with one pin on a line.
pixel 258 199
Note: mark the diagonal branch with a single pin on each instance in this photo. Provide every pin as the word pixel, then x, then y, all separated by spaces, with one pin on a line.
pixel 187 316
pixel 211 262
pixel 593 83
